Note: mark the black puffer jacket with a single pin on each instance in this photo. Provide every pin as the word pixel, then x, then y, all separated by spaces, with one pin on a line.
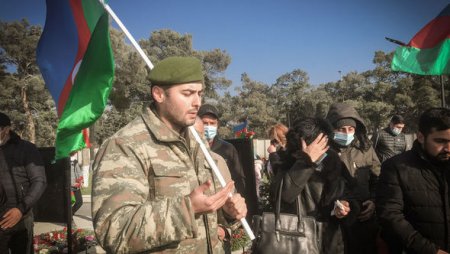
pixel 387 144
pixel 413 201
pixel 317 189
pixel 23 176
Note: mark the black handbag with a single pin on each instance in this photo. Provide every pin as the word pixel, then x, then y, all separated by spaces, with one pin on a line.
pixel 286 233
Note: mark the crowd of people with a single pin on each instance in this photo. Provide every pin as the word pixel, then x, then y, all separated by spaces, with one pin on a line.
pixel 153 189
pixel 400 206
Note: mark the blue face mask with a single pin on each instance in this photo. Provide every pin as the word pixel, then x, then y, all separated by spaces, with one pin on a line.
pixel 396 131
pixel 343 139
pixel 210 132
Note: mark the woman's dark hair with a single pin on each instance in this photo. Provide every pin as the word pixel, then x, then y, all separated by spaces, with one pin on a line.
pixel 307 129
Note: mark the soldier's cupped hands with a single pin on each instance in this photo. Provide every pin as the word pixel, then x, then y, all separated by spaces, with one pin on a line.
pixel 202 203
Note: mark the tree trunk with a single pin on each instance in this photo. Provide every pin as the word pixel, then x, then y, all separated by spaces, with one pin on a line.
pixel 30 126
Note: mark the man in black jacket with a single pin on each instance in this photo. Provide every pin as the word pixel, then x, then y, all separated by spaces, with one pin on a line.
pixel 413 190
pixel 22 176
pixel 210 117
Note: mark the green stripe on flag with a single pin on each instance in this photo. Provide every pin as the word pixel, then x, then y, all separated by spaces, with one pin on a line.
pixel 92 11
pixel 432 61
pixel 89 93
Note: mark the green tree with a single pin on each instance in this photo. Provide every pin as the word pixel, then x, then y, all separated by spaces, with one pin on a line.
pixel 130 81
pixel 288 91
pixel 24 97
pixel 253 103
pixel 165 43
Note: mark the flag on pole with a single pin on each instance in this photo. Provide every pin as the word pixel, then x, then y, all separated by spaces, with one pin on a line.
pixel 428 52
pixel 240 129
pixel 75 58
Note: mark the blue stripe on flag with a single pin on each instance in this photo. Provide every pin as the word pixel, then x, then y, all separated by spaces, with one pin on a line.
pixel 58 46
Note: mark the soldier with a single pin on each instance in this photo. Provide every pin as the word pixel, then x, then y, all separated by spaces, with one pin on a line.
pixel 152 189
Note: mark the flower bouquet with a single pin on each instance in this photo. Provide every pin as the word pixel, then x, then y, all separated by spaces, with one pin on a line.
pixel 56 241
pixel 239 240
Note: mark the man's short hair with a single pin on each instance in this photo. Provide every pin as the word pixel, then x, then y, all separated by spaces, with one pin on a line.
pixel 307 129
pixel 208 109
pixel 4 120
pixel 397 119
pixel 434 119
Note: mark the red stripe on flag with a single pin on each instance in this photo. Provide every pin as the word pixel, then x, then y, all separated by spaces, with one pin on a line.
pixel 84 35
pixel 64 96
pixel 86 137
pixel 432 34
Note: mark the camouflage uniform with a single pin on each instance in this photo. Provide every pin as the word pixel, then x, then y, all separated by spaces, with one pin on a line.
pixel 142 178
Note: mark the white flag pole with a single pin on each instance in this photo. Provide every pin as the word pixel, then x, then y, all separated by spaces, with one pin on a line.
pixel 130 37
pixel 205 151
pixel 219 176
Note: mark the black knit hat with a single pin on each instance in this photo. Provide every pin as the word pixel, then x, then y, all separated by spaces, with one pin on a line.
pixel 344 122
pixel 4 120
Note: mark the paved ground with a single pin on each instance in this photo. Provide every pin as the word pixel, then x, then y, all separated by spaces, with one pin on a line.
pixel 82 219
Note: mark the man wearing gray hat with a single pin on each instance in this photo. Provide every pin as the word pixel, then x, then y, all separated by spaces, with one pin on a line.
pixel 22 177
pixel 210 117
pixel 153 191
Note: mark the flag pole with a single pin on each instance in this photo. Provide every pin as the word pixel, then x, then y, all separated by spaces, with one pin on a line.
pixel 441 79
pixel 205 151
pixel 127 33
pixel 219 176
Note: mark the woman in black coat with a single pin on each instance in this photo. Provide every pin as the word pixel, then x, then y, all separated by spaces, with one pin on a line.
pixel 312 171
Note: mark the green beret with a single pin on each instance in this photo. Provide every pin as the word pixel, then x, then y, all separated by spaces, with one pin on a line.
pixel 176 70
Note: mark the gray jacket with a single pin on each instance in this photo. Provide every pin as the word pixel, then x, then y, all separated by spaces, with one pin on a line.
pixel 387 144
pixel 22 173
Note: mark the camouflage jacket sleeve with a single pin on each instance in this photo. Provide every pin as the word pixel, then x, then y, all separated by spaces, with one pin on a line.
pixel 126 218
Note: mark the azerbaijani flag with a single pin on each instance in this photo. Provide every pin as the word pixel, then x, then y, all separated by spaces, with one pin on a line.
pixel 75 58
pixel 240 129
pixel 428 53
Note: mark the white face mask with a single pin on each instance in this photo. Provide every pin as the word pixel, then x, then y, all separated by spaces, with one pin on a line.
pixel 396 131
pixel 210 132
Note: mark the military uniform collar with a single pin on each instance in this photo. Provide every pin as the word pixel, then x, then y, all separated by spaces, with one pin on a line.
pixel 160 130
